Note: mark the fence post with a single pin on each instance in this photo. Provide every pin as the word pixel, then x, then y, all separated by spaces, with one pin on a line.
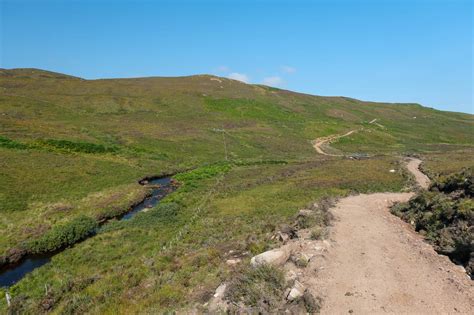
pixel 9 299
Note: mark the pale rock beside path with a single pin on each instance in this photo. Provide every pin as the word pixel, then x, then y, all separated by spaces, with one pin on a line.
pixel 274 257
pixel 296 291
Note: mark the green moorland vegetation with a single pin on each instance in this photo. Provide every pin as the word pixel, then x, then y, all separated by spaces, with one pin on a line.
pixel 72 151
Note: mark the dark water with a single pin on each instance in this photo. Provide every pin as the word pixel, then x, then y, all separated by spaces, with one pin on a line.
pixel 12 274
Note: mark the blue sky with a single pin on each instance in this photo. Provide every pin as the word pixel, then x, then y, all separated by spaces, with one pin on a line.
pixel 396 51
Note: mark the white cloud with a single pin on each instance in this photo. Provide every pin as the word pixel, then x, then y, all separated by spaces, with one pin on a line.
pixel 222 69
pixel 288 69
pixel 239 77
pixel 273 81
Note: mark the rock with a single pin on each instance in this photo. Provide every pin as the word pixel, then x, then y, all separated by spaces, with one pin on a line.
pixel 217 304
pixel 233 262
pixel 283 237
pixel 296 292
pixel 289 230
pixel 220 290
pixel 275 257
pixel 392 171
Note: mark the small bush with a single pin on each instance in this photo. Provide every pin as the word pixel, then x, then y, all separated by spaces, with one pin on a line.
pixel 261 288
pixel 463 182
pixel 318 233
pixel 445 215
pixel 300 260
pixel 63 235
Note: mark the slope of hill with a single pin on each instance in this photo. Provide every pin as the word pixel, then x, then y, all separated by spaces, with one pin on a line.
pixel 71 147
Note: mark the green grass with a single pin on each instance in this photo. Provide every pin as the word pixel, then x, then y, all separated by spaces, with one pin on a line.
pixel 71 147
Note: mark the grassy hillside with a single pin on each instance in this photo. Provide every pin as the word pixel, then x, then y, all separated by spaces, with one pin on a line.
pixel 72 147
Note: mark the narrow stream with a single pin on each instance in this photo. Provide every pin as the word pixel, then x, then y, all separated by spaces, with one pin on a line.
pixel 12 274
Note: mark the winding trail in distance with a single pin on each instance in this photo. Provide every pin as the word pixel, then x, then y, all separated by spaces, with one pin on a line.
pixel 319 142
pixel 421 179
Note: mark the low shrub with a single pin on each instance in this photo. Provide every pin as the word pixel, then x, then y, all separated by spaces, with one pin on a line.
pixel 461 182
pixel 63 235
pixel 261 288
pixel 445 215
pixel 318 233
pixel 320 216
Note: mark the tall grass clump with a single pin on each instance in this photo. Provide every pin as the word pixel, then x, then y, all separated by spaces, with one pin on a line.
pixel 261 288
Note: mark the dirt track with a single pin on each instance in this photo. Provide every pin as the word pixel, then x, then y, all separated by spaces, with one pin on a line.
pixel 318 143
pixel 375 263
pixel 413 167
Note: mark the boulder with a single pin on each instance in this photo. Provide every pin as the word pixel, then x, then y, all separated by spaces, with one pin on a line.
pixel 220 291
pixel 275 257
pixel 296 292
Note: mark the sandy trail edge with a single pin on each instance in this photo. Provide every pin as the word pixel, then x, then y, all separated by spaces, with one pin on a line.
pixel 375 263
